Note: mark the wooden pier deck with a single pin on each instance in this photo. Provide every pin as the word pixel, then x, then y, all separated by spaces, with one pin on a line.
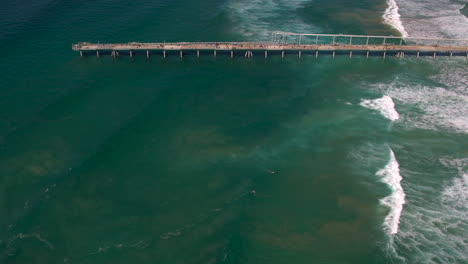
pixel 299 45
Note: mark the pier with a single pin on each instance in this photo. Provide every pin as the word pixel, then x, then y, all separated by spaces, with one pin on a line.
pixel 286 43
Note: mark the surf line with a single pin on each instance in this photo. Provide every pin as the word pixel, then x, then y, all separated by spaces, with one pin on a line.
pixel 390 175
pixel 391 17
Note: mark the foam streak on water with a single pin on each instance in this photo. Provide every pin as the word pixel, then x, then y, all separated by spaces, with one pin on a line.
pixel 391 176
pixel 392 18
pixel 441 106
pixel 256 19
pixel 435 18
pixel 384 105
pixel 434 226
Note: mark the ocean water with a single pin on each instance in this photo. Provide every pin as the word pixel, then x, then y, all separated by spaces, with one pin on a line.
pixel 214 160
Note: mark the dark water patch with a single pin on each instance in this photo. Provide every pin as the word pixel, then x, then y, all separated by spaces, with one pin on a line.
pixel 464 10
pixel 171 162
pixel 64 135
pixel 42 55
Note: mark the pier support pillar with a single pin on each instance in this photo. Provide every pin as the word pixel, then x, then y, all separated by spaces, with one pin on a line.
pixel 147 54
pixel 181 54
pixel 316 54
pixel 131 54
pixel 334 54
pixel 214 53
pixel 417 55
pixel 434 55
pixel 350 54
pixel 451 54
pixel 164 53
pixel 97 53
pixel 266 54
pixel 81 53
pixel 300 53
pixel 198 54
pixel 282 54
pixel 367 54
pixel 384 54
pixel 232 54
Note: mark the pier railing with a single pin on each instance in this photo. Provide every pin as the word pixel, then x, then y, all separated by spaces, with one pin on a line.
pixel 334 39
pixel 288 43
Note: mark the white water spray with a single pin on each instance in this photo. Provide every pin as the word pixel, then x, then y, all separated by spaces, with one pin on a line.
pixel 392 18
pixel 384 105
pixel 395 201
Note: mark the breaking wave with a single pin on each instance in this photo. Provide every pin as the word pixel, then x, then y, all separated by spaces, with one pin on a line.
pixel 392 18
pixel 384 105
pixel 395 201
pixel 434 227
pixel 440 106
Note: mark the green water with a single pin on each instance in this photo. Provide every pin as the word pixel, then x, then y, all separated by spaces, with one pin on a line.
pixel 206 160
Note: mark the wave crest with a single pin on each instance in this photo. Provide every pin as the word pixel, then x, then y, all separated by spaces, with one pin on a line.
pixel 392 18
pixel 395 201
pixel 384 105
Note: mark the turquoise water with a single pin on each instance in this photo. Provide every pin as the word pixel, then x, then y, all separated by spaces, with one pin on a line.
pixel 214 160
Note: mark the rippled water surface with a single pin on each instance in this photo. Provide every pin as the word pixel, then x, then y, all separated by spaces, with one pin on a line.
pixel 214 160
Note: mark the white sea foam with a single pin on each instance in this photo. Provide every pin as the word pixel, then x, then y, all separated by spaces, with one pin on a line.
pixel 391 176
pixel 256 19
pixel 434 226
pixel 442 108
pixel 442 105
pixel 384 105
pixel 391 17
pixel 456 194
pixel 437 18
